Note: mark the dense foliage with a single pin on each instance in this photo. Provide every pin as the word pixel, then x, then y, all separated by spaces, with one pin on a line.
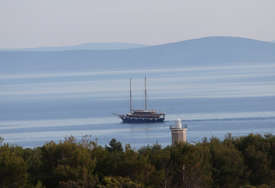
pixel 245 162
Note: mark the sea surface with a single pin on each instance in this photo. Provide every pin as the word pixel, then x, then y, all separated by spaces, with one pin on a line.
pixel 211 101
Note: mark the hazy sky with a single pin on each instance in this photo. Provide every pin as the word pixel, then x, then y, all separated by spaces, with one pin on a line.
pixel 33 23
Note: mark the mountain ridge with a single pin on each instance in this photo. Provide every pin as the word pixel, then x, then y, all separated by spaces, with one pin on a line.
pixel 208 51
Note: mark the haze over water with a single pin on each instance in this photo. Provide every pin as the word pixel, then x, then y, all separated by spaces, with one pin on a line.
pixel 212 101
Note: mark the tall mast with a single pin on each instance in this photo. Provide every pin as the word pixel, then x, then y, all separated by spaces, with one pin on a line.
pixel 145 94
pixel 131 108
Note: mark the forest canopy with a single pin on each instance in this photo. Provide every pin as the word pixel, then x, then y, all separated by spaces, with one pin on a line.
pixel 244 162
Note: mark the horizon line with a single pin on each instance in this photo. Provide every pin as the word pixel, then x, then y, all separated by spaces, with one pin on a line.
pixel 131 43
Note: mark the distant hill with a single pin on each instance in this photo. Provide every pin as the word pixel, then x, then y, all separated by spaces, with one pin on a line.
pixel 196 52
pixel 87 46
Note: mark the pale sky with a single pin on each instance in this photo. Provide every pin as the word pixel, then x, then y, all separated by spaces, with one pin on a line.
pixel 34 23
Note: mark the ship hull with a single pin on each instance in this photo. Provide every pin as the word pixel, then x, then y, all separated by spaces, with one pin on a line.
pixel 142 120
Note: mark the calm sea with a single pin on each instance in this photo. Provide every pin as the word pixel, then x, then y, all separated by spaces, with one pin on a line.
pixel 212 101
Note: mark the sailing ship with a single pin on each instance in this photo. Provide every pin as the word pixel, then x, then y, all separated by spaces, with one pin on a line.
pixel 141 116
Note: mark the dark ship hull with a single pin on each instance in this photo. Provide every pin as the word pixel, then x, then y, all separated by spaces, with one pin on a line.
pixel 126 119
pixel 142 116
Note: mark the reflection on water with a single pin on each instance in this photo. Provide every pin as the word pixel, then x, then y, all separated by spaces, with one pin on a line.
pixel 137 134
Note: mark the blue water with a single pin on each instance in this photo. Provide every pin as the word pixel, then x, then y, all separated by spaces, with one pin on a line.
pixel 212 101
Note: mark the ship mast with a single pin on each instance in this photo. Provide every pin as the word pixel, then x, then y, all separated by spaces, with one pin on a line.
pixel 145 94
pixel 131 108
